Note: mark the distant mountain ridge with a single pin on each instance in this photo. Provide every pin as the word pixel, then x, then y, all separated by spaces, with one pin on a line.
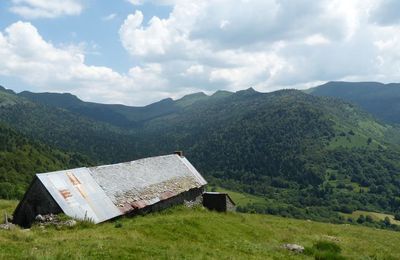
pixel 120 115
pixel 381 100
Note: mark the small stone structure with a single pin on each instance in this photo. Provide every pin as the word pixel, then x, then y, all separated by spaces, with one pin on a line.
pixel 53 220
pixel 294 248
pixel 106 192
pixel 218 201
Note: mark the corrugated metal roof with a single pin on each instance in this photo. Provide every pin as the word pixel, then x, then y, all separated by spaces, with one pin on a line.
pixel 79 195
pixel 104 192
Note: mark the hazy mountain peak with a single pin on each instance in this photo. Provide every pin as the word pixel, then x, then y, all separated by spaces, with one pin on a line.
pixel 221 93
pixel 194 95
pixel 381 100
pixel 3 89
pixel 249 91
pixel 191 99
pixel 55 99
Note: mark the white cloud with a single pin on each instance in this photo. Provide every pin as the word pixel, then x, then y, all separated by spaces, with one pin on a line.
pixel 263 43
pixel 160 36
pixel 109 17
pixel 386 13
pixel 195 70
pixel 156 2
pixel 135 2
pixel 316 39
pixel 45 67
pixel 32 9
pixel 224 23
pixel 217 44
pixel 141 42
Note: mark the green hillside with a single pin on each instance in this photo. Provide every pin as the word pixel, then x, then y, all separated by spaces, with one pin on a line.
pixel 381 100
pixel 61 129
pixel 119 115
pixel 307 156
pixel 311 156
pixel 21 158
pixel 183 233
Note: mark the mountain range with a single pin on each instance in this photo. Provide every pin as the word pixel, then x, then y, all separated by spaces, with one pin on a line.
pixel 381 100
pixel 314 153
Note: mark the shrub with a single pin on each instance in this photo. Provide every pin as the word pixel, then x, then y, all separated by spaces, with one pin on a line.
pixel 327 246
pixel 324 250
pixel 386 221
pixel 361 219
pixel 328 256
pixel 346 209
pixel 369 219
pixel 118 224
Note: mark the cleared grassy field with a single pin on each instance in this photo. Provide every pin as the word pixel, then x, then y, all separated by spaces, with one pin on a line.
pixel 375 216
pixel 242 199
pixel 182 233
pixel 7 206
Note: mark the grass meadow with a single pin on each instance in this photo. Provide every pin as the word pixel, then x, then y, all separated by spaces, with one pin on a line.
pixel 183 233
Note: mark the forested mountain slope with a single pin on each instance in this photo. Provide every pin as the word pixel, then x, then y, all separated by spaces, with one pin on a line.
pixel 381 100
pixel 294 148
pixel 21 158
pixel 65 130
pixel 309 156
pixel 119 115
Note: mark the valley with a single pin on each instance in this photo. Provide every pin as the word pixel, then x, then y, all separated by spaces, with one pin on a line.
pixel 306 156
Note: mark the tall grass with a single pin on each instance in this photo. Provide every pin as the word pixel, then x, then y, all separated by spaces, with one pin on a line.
pixel 182 233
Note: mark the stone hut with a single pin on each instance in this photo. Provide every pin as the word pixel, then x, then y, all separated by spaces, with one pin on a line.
pixel 106 192
pixel 218 201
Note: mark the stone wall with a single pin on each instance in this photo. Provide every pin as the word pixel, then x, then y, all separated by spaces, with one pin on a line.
pixel 191 197
pixel 229 205
pixel 215 201
pixel 37 200
pixel 218 202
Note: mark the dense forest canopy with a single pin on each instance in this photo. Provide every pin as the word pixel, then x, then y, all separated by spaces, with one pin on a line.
pixel 21 158
pixel 381 100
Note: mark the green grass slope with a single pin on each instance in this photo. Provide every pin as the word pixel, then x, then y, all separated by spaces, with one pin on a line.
pixel 242 199
pixel 182 233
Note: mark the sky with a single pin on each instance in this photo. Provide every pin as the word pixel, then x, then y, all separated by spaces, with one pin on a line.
pixel 136 52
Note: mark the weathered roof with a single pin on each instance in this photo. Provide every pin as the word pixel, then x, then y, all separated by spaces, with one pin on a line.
pixel 79 195
pixel 104 192
pixel 144 182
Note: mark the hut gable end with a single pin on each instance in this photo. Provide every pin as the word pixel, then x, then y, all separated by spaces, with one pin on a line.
pixel 37 200
pixel 218 201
